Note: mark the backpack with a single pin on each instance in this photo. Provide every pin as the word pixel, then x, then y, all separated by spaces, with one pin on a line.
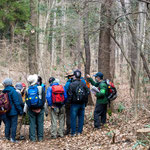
pixel 58 94
pixel 4 103
pixel 112 91
pixel 34 99
pixel 80 93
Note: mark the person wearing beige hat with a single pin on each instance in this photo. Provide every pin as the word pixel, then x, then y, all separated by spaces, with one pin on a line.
pixel 69 76
pixel 35 100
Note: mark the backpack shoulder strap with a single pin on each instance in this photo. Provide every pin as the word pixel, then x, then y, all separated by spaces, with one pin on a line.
pixel 40 89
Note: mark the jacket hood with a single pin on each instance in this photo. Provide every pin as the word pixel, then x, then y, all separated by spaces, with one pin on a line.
pixel 8 89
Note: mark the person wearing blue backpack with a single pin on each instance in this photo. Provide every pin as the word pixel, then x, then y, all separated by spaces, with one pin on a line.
pixel 35 100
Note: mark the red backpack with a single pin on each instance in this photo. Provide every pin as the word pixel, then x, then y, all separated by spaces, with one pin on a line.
pixel 4 103
pixel 58 94
pixel 112 91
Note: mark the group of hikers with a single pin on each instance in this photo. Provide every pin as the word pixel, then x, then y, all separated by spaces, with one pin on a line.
pixel 67 103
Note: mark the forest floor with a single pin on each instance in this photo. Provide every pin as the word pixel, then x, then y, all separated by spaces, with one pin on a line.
pixel 118 134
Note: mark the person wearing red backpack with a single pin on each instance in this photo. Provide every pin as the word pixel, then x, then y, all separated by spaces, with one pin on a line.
pixel 102 99
pixel 56 98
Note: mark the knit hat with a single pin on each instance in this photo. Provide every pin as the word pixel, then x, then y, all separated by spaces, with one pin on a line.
pixel 51 80
pixel 32 79
pixel 23 84
pixel 1 87
pixel 7 82
pixel 19 86
pixel 77 73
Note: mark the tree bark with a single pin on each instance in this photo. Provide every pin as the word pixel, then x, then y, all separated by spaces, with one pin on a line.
pixel 105 40
pixel 87 45
pixel 32 49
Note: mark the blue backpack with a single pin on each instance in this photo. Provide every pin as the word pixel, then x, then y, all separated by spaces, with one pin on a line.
pixel 34 99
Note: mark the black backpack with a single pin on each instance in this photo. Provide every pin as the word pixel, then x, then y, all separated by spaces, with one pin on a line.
pixel 80 93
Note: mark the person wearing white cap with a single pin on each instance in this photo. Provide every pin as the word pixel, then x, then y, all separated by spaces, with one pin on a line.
pixel 35 100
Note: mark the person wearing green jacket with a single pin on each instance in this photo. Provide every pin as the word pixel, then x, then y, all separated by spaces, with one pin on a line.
pixel 102 100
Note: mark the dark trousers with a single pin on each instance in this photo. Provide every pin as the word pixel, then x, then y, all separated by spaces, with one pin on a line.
pixel 68 120
pixel 100 115
pixel 77 112
pixel 3 118
pixel 36 124
pixel 11 127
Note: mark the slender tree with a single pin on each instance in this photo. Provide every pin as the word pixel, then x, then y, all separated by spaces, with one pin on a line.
pixel 32 49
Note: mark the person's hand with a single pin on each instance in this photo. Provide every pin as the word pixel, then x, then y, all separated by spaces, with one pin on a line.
pixel 88 76
pixel 52 107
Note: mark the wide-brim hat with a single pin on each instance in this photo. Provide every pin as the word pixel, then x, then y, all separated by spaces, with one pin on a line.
pixel 69 73
pixel 32 79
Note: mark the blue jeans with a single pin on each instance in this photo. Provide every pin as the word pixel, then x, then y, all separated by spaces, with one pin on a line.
pixel 11 127
pixel 77 111
pixel 3 118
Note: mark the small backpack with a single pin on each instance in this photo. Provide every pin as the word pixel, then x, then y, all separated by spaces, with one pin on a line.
pixel 58 94
pixel 112 91
pixel 34 99
pixel 80 93
pixel 4 103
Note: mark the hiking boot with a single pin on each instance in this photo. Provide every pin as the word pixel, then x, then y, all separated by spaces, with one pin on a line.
pixel 61 136
pixel 40 139
pixel 53 137
pixel 73 135
pixel 13 141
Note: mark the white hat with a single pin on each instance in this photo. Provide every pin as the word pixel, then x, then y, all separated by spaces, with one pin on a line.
pixel 1 87
pixel 56 81
pixel 32 79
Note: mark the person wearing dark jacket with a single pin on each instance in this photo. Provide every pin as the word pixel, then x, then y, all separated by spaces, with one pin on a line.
pixel 16 109
pixel 36 115
pixel 70 75
pixel 78 97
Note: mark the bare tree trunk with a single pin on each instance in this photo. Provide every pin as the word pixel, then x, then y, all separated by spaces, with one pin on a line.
pixel 105 40
pixel 141 23
pixel 86 40
pixel 32 49
pixel 87 44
